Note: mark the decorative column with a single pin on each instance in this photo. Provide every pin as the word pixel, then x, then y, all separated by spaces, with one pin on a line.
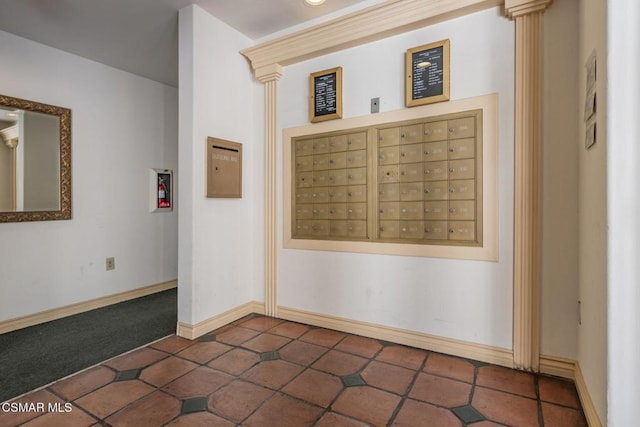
pixel 270 75
pixel 527 15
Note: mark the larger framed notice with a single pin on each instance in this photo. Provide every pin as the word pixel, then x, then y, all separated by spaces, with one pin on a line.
pixel 325 95
pixel 427 70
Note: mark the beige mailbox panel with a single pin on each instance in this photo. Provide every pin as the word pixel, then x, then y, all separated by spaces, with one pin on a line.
pixel 416 181
pixel 224 168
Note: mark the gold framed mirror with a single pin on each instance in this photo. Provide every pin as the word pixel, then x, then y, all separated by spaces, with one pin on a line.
pixel 35 161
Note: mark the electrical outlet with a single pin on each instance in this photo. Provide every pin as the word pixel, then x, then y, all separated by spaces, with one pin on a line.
pixel 375 105
pixel 111 263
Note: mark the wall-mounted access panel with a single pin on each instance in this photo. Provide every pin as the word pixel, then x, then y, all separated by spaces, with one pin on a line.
pixel 224 168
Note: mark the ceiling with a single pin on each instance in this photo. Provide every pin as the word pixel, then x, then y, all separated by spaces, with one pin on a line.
pixel 141 36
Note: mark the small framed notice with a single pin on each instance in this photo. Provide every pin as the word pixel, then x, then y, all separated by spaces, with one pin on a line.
pixel 427 70
pixel 325 95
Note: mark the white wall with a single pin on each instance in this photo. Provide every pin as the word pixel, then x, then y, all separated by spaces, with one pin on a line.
pixel 592 208
pixel 623 176
pixel 559 305
pixel 466 300
pixel 122 125
pixel 218 267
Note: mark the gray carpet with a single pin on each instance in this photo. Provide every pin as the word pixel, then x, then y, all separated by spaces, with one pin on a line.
pixel 35 356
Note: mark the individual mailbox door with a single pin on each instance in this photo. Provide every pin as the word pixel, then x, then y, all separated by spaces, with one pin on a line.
pixel 388 192
pixel 304 211
pixel 462 230
pixel 338 177
pixel 462 148
pixel 320 145
pixel 410 172
pixel 303 227
pixel 304 163
pixel 462 128
pixel 462 169
pixel 320 227
pixel 320 211
pixel 411 153
pixel 411 229
pixel 320 178
pixel 338 160
pixel 356 193
pixel 357 229
pixel 357 159
pixel 434 151
pixel 357 176
pixel 388 137
pixel 357 141
pixel 388 155
pixel 320 195
pixel 462 189
pixel 389 210
pixel 338 194
pixel 435 131
pixel 357 211
pixel 389 229
pixel 321 162
pixel 410 191
pixel 338 143
pixel 411 134
pixel 435 171
pixel 462 209
pixel 388 174
pixel 337 211
pixel 304 179
pixel 304 195
pixel 224 168
pixel 411 210
pixel 338 228
pixel 304 147
pixel 436 190
pixel 435 210
pixel 435 230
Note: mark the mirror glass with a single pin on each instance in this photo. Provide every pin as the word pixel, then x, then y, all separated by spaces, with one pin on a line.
pixel 35 161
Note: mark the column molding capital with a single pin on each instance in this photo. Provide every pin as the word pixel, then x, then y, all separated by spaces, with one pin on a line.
pixel 269 73
pixel 517 8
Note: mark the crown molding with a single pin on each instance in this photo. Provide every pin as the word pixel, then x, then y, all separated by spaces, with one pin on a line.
pixel 373 23
pixel 516 8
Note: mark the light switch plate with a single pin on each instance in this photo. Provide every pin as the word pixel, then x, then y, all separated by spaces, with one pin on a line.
pixel 375 105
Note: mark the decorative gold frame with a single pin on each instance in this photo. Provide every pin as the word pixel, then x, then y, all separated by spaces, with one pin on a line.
pixel 410 101
pixel 65 161
pixel 313 118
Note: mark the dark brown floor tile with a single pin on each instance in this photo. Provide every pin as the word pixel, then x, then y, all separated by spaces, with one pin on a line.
pixel 273 374
pixel 289 329
pixel 389 377
pixel 451 367
pixel 113 397
pixel 235 361
pixel 200 419
pixel 136 359
pixel 199 382
pixel 43 397
pixel 361 346
pixel 440 391
pixel 367 404
pixel 237 400
pixel 83 383
pixel 322 337
pixel 172 344
pixel 315 387
pixel 166 370
pixel 505 379
pixel 202 352
pixel 152 410
pixel 558 390
pixel 331 419
pixel 260 323
pixel 339 363
pixel 406 357
pixel 301 353
pixel 555 415
pixel 284 411
pixel 506 408
pixel 419 414
pixel 74 417
pixel 236 335
pixel 487 424
pixel 266 342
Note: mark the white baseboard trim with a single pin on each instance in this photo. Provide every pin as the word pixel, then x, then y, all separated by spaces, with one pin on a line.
pixel 484 353
pixel 81 307
pixel 589 409
pixel 192 332
pixel 557 366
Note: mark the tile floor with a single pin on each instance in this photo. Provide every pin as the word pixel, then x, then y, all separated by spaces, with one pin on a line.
pixel 260 371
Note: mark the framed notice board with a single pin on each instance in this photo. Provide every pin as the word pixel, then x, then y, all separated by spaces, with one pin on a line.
pixel 427 70
pixel 325 95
